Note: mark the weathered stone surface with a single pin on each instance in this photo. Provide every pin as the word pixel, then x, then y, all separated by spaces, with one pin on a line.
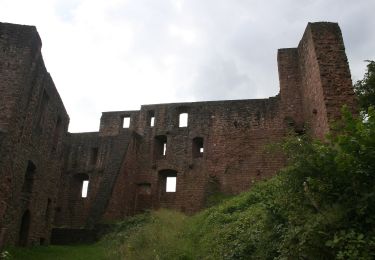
pixel 223 147
pixel 33 123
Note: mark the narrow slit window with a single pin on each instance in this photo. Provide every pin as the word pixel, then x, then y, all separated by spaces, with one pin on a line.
pixel 171 184
pixel 160 146
pixel 164 149
pixel 85 187
pixel 126 122
pixel 183 120
pixel 198 147
pixel 151 118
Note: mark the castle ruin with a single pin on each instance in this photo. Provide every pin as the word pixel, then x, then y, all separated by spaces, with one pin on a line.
pixel 205 147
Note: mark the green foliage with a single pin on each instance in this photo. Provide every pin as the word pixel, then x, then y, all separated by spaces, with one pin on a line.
pixel 161 236
pixel 5 255
pixel 333 185
pixel 352 245
pixel 216 198
pixel 365 88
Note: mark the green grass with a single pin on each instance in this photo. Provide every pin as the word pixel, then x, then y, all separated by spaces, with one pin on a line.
pixel 159 235
pixel 78 252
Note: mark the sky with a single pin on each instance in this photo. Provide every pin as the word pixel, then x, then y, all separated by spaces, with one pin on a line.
pixel 113 55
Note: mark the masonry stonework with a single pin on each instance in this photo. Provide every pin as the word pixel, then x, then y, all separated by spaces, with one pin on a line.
pixel 43 168
pixel 33 125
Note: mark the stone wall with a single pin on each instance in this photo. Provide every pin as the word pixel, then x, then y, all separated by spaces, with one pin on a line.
pixel 318 71
pixel 33 123
pixel 233 135
pixel 96 157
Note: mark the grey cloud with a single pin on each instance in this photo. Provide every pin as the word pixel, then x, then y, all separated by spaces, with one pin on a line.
pixel 219 78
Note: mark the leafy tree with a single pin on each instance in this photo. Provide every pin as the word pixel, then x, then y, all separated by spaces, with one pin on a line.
pixel 331 189
pixel 365 88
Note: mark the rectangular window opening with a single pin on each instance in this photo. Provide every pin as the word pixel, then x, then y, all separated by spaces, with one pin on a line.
pixel 201 150
pixel 183 120
pixel 152 121
pixel 126 122
pixel 171 184
pixel 85 186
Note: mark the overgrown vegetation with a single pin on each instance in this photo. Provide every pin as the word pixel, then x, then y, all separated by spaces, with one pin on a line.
pixel 365 88
pixel 158 235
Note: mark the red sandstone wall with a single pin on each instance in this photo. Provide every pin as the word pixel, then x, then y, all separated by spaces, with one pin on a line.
pixel 34 131
pixel 235 135
pixel 110 144
pixel 290 87
pixel 79 165
pixel 333 67
pixel 318 69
